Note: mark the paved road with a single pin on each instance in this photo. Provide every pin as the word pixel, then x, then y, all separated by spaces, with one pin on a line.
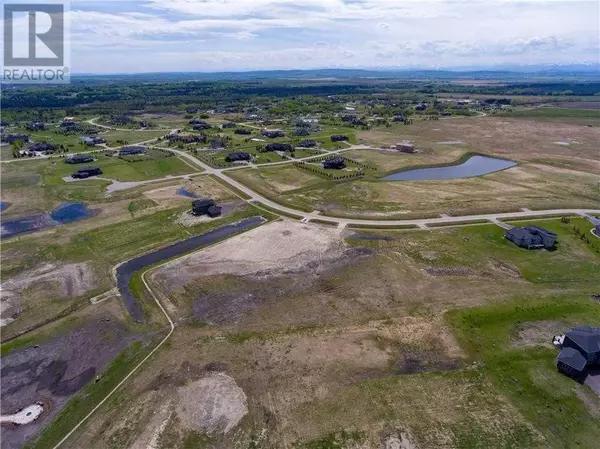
pixel 221 173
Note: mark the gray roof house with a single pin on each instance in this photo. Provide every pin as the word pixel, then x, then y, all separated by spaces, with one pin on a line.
pixel 531 237
pixel 580 350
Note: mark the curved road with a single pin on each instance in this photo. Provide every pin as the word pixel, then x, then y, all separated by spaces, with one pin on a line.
pixel 422 222
pixel 342 222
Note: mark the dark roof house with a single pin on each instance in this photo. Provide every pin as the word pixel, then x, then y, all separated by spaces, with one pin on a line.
pixel 278 147
pixel 201 207
pixel 86 172
pixel 307 143
pixel 272 133
pixel 580 350
pixel 14 137
pixel 242 131
pixel 339 138
pixel 237 156
pixel 35 126
pixel 43 147
pixel 132 149
pixel 79 159
pixel 335 163
pixel 531 237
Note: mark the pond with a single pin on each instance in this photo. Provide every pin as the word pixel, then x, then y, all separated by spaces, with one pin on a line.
pixel 65 213
pixel 186 193
pixel 474 166
pixel 3 205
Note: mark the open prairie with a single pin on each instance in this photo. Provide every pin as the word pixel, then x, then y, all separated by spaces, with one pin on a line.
pixel 322 335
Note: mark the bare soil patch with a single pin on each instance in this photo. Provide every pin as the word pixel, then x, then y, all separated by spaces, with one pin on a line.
pixel 44 283
pixel 55 370
pixel 279 247
pixel 537 333
pixel 212 404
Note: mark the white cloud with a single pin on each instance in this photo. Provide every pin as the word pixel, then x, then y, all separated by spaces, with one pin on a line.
pixel 261 34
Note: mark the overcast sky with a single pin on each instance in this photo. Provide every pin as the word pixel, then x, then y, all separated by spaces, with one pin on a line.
pixel 216 35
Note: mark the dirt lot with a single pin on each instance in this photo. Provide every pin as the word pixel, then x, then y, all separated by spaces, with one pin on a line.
pixel 280 247
pixel 48 282
pixel 56 368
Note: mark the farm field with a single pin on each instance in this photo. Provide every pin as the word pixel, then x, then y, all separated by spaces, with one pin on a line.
pixel 363 326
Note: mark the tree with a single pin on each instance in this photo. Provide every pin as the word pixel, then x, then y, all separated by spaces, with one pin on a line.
pixel 18 144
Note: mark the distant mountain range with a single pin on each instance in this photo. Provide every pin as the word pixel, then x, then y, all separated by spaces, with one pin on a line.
pixel 587 71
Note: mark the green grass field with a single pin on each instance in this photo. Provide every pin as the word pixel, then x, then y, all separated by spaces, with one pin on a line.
pixel 551 112
pixel 548 399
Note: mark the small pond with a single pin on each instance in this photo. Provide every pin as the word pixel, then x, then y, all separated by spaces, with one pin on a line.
pixel 186 193
pixel 474 166
pixel 68 212
pixel 65 213
pixel 3 205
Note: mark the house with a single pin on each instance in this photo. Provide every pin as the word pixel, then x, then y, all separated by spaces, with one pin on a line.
pixel 307 143
pixel 214 211
pixel 91 141
pixel 421 107
pixel 531 237
pixel 79 159
pixel 201 126
pixel 42 147
pixel 237 157
pixel 242 131
pixel 580 350
pixel 132 149
pixel 301 132
pixel 228 125
pixel 272 133
pixel 145 124
pixel 35 126
pixel 278 147
pixel 335 163
pixel 187 139
pixel 197 121
pixel 405 147
pixel 339 138
pixel 86 172
pixel 205 207
pixel 14 137
pixel 596 222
